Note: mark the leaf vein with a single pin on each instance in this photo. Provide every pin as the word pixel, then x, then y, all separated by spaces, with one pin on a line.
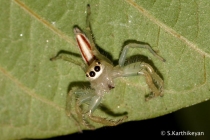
pixel 45 22
pixel 167 29
pixel 28 91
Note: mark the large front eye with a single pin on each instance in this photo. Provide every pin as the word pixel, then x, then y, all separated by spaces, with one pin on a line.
pixel 92 73
pixel 97 68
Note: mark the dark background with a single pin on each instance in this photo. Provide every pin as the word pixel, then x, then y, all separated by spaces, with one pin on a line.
pixel 194 119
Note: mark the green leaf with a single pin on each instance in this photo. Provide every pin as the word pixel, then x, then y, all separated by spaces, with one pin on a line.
pixel 33 89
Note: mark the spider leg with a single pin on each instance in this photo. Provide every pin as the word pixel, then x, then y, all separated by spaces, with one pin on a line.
pixel 136 45
pixel 95 101
pixel 89 97
pixel 82 96
pixel 153 80
pixel 88 27
pixel 63 56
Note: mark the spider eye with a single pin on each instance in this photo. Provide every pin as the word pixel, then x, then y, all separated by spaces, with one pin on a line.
pixel 87 75
pixel 92 74
pixel 97 68
pixel 98 63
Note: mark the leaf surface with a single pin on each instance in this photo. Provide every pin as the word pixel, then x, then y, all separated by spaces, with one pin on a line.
pixel 33 89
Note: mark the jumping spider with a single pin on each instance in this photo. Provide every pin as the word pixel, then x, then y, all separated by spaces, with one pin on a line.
pixel 100 72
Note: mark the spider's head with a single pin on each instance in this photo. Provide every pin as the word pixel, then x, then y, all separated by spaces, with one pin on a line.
pixel 94 70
